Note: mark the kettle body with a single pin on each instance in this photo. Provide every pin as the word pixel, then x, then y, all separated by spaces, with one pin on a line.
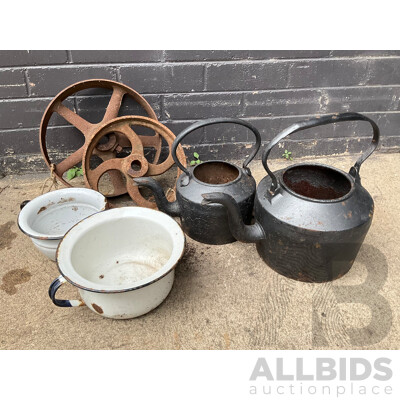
pixel 313 231
pixel 204 223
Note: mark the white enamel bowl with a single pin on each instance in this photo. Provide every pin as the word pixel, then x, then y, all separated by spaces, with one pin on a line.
pixel 47 218
pixel 121 260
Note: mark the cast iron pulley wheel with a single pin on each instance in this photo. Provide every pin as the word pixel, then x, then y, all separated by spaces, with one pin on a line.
pixel 104 151
pixel 135 164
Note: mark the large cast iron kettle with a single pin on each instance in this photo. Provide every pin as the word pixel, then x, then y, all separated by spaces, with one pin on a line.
pixel 311 219
pixel 208 223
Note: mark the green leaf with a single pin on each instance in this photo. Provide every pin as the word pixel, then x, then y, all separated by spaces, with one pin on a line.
pixel 79 172
pixel 71 173
pixel 196 155
pixel 198 161
pixel 192 162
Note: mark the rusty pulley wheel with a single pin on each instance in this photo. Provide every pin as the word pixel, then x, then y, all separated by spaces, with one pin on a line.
pixel 104 151
pixel 135 164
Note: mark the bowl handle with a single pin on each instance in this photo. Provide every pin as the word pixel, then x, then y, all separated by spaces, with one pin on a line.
pixel 55 285
pixel 23 204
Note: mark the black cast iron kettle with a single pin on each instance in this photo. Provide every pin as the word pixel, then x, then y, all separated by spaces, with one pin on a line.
pixel 208 223
pixel 311 219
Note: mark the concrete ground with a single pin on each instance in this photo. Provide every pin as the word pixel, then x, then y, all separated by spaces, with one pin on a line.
pixel 224 297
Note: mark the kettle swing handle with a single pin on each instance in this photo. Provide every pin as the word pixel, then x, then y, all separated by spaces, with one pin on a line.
pixel 328 119
pixel 212 121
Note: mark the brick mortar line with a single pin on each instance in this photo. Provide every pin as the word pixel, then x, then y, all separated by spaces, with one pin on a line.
pixel 290 116
pixel 15 99
pixel 232 143
pixel 30 128
pixel 168 121
pixel 119 79
pixel 75 101
pixel 197 62
pixel 115 73
pixel 205 78
pixel 288 139
pixel 242 105
pixel 303 115
pixel 27 85
pixel 275 60
pixel 222 61
pixel 258 91
pixel 162 107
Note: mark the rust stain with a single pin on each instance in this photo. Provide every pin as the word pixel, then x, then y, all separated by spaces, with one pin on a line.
pixel 349 215
pixel 13 278
pixel 317 245
pixel 74 208
pixel 227 341
pixel 177 341
pixel 43 237
pixel 101 276
pixel 97 308
pixel 6 235
pixel 66 200
pixel 301 276
pixel 45 207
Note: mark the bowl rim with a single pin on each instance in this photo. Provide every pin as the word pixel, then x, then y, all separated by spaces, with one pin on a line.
pixel 35 204
pixel 63 255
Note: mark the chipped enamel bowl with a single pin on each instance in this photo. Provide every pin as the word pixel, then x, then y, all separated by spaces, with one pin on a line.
pixel 121 260
pixel 47 218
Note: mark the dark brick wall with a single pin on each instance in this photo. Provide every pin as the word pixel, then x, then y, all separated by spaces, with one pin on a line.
pixel 271 89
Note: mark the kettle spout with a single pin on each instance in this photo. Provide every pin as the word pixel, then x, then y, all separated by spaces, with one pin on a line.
pixel 241 232
pixel 170 208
